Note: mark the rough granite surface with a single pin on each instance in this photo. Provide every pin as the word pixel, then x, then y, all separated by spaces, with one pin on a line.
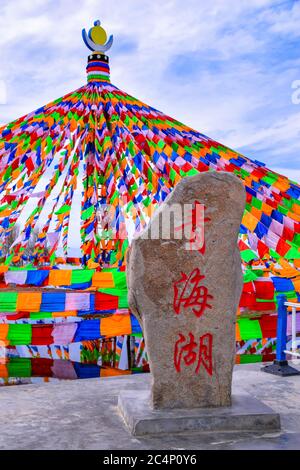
pixel 186 300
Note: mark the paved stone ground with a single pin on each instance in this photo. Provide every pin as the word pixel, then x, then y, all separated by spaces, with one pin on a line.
pixel 83 415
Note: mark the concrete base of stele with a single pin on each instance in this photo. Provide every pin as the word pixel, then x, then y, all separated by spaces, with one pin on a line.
pixel 247 414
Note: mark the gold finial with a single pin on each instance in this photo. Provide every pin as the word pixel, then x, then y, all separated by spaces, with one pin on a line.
pixel 96 39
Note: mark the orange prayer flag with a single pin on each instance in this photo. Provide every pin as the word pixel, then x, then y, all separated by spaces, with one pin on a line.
pixel 29 301
pixel 60 277
pixel 256 212
pixel 266 208
pixel 249 221
pixel 3 332
pixel 115 325
pixel 110 372
pixel 297 263
pixel 3 371
pixel 64 314
pixel 296 208
pixel 296 283
pixel 103 280
pixel 237 332
pixel 237 359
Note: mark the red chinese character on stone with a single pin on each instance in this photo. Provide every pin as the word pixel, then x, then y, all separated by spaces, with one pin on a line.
pixel 197 240
pixel 190 352
pixel 189 293
pixel 193 226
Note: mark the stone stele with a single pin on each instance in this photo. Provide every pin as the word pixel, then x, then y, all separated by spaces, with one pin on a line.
pixel 186 299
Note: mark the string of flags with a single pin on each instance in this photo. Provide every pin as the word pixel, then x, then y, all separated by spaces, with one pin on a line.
pixel 115 151
pixel 64 333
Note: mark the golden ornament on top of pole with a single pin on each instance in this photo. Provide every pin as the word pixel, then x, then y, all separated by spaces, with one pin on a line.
pixel 96 38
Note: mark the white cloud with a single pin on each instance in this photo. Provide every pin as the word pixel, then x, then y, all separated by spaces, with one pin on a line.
pixel 294 175
pixel 284 20
pixel 284 135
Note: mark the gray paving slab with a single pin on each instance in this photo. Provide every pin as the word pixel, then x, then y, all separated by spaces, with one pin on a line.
pixel 83 414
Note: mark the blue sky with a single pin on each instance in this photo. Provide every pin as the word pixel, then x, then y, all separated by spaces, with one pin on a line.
pixel 224 67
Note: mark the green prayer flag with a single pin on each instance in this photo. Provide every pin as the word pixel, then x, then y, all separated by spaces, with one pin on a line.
pixel 65 208
pixel 248 255
pixel 80 276
pixel 87 213
pixel 19 367
pixel 19 334
pixel 249 329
